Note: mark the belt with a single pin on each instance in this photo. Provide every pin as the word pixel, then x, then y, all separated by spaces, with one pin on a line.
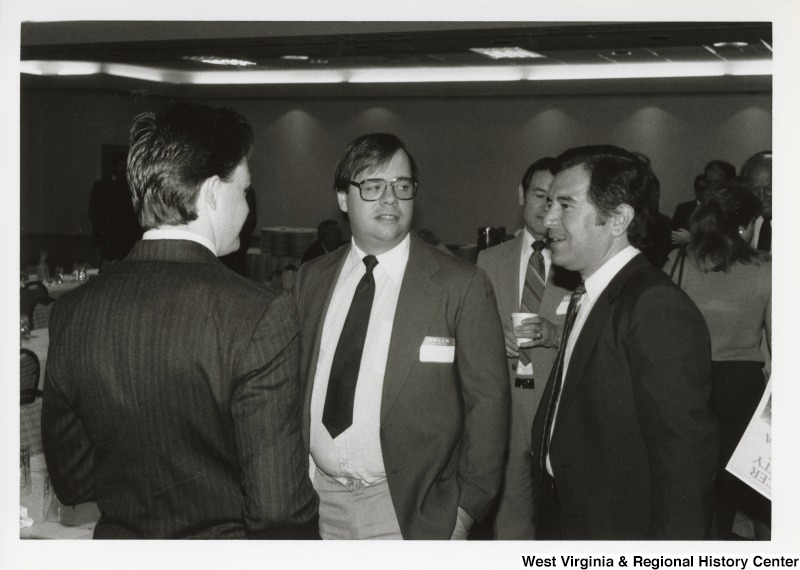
pixel 524 383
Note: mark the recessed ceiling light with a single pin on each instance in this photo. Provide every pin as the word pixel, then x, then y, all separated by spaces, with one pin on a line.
pixel 731 44
pixel 620 53
pixel 506 53
pixel 295 57
pixel 214 60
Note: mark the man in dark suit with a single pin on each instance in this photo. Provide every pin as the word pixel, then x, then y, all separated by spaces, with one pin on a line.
pixel 114 225
pixel 172 386
pixel 406 397
pixel 624 444
pixel 684 211
pixel 329 238
pixel 757 174
pixel 509 266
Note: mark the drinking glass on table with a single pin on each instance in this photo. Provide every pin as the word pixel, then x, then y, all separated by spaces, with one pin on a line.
pixel 59 274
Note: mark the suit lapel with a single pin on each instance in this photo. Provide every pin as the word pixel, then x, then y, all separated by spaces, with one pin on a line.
pixel 511 276
pixel 320 291
pixel 416 306
pixel 591 331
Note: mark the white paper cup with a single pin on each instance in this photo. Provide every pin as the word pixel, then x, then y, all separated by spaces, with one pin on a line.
pixel 516 320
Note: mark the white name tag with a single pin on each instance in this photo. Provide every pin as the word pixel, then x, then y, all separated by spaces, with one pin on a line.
pixel 562 308
pixel 437 349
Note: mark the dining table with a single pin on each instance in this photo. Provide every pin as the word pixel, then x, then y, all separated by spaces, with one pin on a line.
pixel 55 289
pixel 46 517
pixel 78 522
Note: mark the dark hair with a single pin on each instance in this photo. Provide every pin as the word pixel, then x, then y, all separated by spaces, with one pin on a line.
pixel 368 151
pixel 714 226
pixel 617 177
pixel 326 224
pixel 174 151
pixel 547 164
pixel 700 185
pixel 728 170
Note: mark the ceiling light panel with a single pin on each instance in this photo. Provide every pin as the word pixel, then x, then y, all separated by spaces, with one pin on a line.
pixel 507 53
pixel 545 72
pixel 222 61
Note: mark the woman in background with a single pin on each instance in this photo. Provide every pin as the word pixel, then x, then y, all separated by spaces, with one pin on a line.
pixel 731 283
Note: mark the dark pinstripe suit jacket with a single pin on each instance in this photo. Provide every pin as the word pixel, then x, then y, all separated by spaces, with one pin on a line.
pixel 173 399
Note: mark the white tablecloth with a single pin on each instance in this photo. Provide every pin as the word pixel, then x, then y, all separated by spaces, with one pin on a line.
pixel 55 290
pixel 34 501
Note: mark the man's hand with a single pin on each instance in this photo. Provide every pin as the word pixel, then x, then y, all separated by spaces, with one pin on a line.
pixel 543 332
pixel 512 350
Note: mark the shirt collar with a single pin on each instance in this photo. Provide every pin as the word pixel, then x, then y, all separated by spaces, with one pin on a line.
pixel 393 262
pixel 174 233
pixel 600 279
pixel 527 245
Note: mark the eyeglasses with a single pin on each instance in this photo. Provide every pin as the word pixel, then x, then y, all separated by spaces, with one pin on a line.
pixel 765 190
pixel 372 189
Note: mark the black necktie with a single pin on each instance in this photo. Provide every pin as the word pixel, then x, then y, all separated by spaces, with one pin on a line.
pixel 765 236
pixel 533 290
pixel 556 375
pixel 337 415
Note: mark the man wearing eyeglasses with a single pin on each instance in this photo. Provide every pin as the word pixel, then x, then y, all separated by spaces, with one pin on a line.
pixel 407 404
pixel 757 174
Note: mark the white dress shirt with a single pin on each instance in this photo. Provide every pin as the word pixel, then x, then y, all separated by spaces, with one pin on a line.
pixel 167 233
pixel 356 452
pixel 757 233
pixel 524 256
pixel 595 285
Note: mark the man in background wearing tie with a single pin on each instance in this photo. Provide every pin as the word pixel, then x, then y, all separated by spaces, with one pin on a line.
pixel 407 403
pixel 624 444
pixel 757 174
pixel 525 281
pixel 172 384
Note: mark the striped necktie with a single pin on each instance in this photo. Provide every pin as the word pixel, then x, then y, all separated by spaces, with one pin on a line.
pixel 556 375
pixel 533 289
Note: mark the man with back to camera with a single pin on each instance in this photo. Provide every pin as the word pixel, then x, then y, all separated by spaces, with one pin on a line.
pixel 173 396
pixel 525 280
pixel 406 400
pixel 624 443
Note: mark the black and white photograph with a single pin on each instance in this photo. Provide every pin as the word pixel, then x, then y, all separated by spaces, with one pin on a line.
pixel 326 275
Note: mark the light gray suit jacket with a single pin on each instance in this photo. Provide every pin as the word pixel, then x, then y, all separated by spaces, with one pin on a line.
pixel 443 425
pixel 501 263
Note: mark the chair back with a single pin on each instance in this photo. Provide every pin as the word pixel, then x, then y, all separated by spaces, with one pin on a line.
pixel 28 376
pixel 40 313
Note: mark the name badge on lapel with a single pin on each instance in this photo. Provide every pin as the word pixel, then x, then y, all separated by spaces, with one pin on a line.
pixel 437 349
pixel 563 306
